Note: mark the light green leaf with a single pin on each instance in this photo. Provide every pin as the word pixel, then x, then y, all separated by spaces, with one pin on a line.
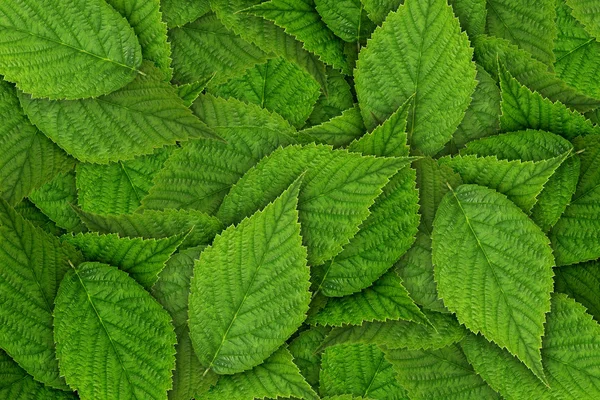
pixel 180 12
pixel 300 19
pixel 277 85
pixel 346 18
pixel 199 175
pixel 534 145
pixel 571 351
pixel 389 138
pixel 523 109
pixel 338 131
pixel 472 15
pixel 379 9
pixel 336 99
pixel 69 49
pixel 529 25
pixel 152 224
pixel 577 53
pixel 118 188
pixel 142 259
pixel 267 298
pixel 483 115
pixel 575 236
pixel 206 48
pixel 530 72
pixel 388 72
pixel 267 36
pixel 145 18
pixel 386 300
pixel 33 264
pixel 16 384
pixel 189 92
pixel 502 371
pixel 277 377
pixel 443 330
pixel 520 181
pixel 360 370
pixel 306 353
pixel 135 120
pixel 28 158
pixel 99 308
pixel 438 374
pixel 55 199
pixel 493 267
pixel 582 283
pixel 172 291
pixel 588 14
pixel 415 267
pixel 335 197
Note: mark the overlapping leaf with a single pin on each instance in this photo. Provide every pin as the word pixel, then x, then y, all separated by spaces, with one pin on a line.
pixel 66 49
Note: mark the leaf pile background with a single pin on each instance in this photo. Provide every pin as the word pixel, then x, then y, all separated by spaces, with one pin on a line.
pixel 303 199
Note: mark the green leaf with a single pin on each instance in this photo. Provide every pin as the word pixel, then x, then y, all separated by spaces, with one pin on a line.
pixel 335 196
pixel 189 92
pixel 415 267
pixel 199 175
pixel 33 264
pixel 575 236
pixel 386 300
pixel 386 234
pixel 55 198
pixel 529 25
pixel 442 330
pixel 135 120
pixel 389 138
pixel 379 9
pixel 267 298
pixel 388 72
pixel 577 53
pixel 493 267
pixel 336 99
pixel 267 36
pixel 346 18
pixel 533 145
pixel 277 377
pixel 118 188
pixel 145 18
pixel 588 14
pixel 300 19
pixel 520 181
pixel 523 109
pixel 571 351
pixel 206 48
pixel 582 283
pixel 530 72
pixel 31 213
pixel 28 159
pixel 502 371
pixel 66 49
pixel 472 15
pixel 277 85
pixel 360 370
pixel 180 12
pixel 152 224
pixel 306 353
pixel 99 308
pixel 483 115
pixel 16 384
pixel 171 291
pixel 142 259
pixel 438 374
pixel 338 131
